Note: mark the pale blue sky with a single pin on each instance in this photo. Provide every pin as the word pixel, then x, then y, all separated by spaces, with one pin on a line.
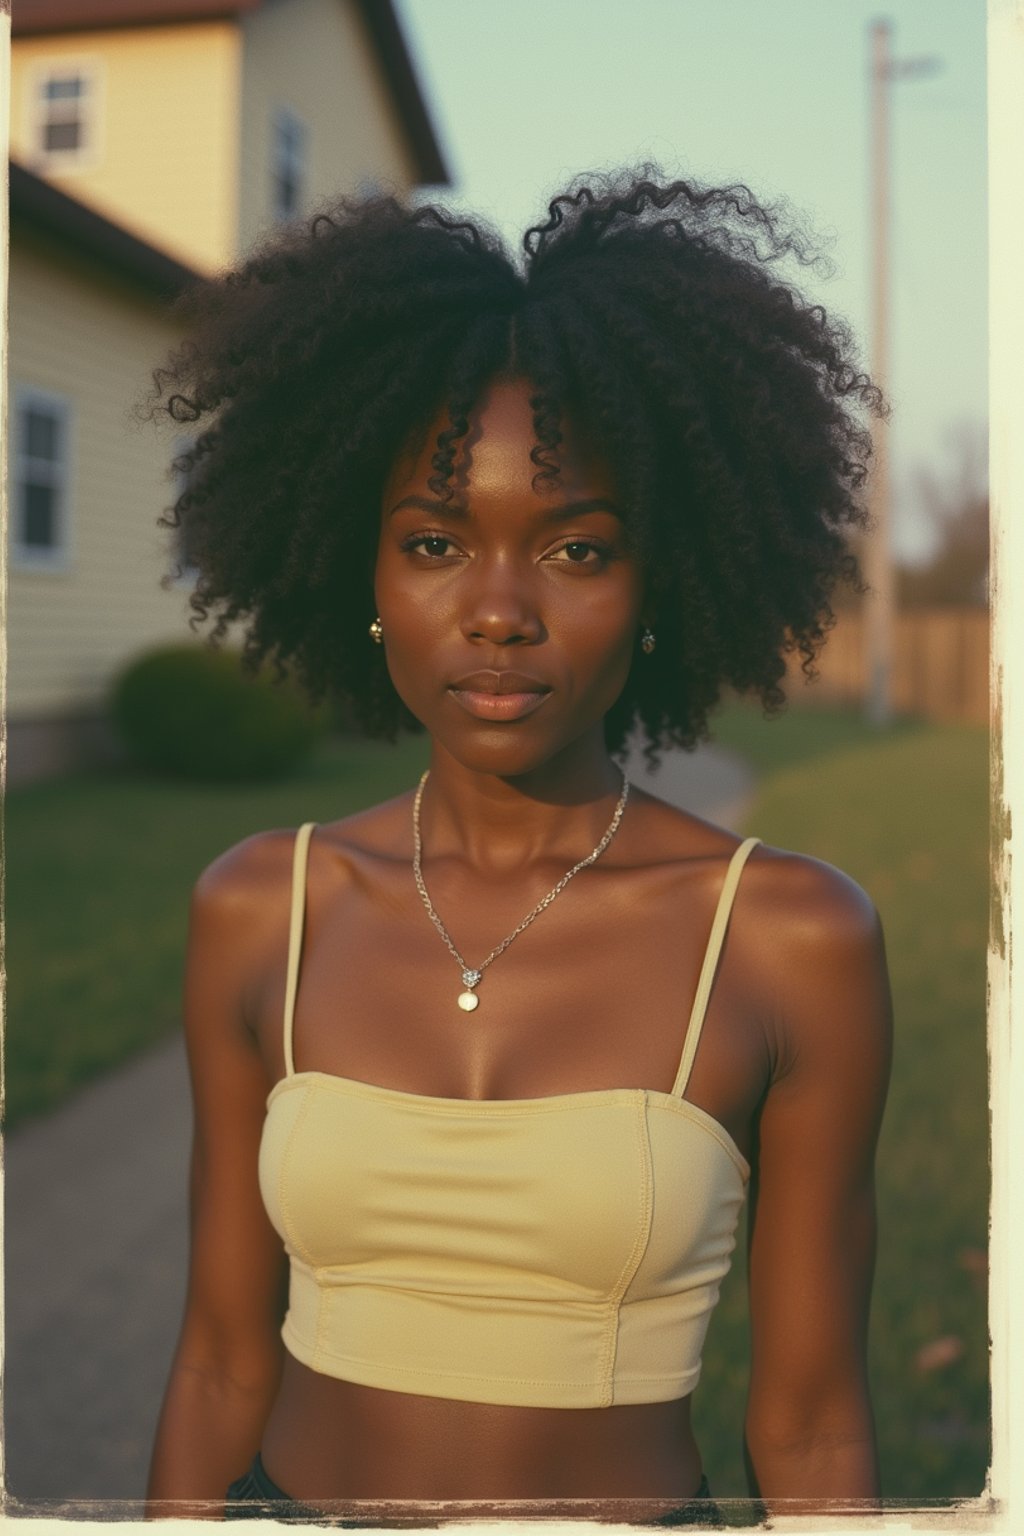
pixel 526 93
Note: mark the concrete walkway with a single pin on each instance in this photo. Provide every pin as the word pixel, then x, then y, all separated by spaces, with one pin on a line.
pixel 95 1239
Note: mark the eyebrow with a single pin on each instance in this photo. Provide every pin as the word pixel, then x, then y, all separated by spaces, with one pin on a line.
pixel 458 513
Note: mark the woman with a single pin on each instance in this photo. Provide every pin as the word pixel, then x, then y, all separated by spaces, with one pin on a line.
pixel 529 1036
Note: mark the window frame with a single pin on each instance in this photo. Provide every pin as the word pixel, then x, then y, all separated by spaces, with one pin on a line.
pixel 58 558
pixel 86 154
pixel 286 118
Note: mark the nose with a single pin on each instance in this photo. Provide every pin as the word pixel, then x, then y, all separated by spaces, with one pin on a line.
pixel 500 605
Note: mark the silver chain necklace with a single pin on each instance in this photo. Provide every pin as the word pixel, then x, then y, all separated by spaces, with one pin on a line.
pixel 468 999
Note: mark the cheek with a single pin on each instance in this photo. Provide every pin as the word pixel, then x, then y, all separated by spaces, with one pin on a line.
pixel 611 611
pixel 413 611
pixel 415 623
pixel 598 637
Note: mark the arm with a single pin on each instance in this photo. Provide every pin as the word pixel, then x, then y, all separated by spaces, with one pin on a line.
pixel 228 1360
pixel 809 1427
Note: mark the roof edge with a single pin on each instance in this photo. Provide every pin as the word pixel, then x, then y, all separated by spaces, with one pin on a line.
pixel 85 230
pixel 388 40
pixel 43 17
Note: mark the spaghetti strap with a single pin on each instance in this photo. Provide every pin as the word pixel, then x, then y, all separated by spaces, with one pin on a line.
pixel 299 861
pixel 707 973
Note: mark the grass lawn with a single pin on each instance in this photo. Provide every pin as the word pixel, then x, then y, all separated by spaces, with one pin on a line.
pixel 98 871
pixel 904 811
pixel 98 874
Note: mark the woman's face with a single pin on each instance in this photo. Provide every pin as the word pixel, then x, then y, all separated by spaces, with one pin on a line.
pixel 510 615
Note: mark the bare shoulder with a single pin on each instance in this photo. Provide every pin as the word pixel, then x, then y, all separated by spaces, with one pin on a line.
pixel 243 875
pixel 799 898
pixel 237 953
pixel 810 902
pixel 249 883
pixel 818 954
pixel 240 902
pixel 238 920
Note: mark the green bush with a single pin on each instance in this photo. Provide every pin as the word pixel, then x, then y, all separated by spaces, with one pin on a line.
pixel 191 711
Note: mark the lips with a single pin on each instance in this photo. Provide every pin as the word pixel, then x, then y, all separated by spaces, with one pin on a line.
pixel 499 682
pixel 499 695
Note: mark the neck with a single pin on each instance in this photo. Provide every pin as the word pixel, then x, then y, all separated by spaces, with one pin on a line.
pixel 498 824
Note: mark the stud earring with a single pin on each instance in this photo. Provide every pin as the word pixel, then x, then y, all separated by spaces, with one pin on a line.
pixel 377 632
pixel 647 641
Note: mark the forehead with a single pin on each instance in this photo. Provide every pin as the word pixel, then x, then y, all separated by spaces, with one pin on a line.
pixel 494 456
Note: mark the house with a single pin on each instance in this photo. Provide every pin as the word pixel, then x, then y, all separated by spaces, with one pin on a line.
pixel 101 245
pixel 88 320
pixel 199 124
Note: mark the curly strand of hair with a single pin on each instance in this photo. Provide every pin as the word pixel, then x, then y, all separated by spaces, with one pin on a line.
pixel 540 358
pixel 480 356
pixel 581 216
pixel 613 412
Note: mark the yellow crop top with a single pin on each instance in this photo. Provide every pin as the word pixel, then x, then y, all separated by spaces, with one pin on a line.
pixel 559 1252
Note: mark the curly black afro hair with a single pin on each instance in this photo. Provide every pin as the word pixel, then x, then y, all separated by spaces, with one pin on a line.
pixel 642 308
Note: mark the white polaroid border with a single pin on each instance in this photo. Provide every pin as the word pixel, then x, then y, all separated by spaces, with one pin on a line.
pixel 1005 996
pixel 1003 1509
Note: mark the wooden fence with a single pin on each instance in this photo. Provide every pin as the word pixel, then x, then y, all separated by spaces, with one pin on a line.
pixel 939 664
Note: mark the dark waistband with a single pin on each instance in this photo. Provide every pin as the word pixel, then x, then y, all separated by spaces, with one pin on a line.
pixel 256 1495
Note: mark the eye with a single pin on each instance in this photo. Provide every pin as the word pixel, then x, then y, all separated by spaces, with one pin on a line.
pixel 582 552
pixel 434 545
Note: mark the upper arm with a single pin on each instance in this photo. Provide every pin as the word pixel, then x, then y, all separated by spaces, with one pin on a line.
pixel 812 1235
pixel 236 1265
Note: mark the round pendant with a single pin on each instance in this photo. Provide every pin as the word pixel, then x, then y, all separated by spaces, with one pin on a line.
pixel 468 1001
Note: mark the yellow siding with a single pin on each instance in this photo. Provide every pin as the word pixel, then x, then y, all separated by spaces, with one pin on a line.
pixel 313 57
pixel 75 333
pixel 165 162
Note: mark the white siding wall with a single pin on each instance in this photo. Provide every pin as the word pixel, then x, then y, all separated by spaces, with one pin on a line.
pixel 76 333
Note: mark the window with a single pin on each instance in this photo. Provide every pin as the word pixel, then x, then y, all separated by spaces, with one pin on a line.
pixel 39 533
pixel 289 164
pixel 64 113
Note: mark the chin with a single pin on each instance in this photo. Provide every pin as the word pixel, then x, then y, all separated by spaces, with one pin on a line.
pixel 507 749
pixel 492 752
pixel 511 752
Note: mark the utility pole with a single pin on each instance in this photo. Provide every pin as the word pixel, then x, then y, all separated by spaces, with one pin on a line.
pixel 880 602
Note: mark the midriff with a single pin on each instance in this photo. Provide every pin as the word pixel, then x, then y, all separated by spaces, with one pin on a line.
pixel 328 1439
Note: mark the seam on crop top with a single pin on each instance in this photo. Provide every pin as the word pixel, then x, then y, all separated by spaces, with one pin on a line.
pixel 286 1216
pixel 323 1302
pixel 632 1264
